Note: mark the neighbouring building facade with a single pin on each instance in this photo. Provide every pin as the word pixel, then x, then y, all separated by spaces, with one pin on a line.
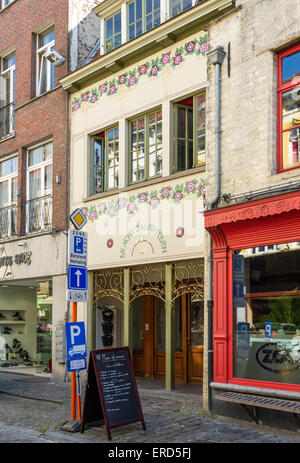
pixel 253 205
pixel 138 148
pixel 36 40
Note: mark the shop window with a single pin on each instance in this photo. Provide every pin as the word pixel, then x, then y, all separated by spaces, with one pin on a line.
pixel 105 161
pixel 45 69
pixel 145 147
pixel 38 207
pixel 7 95
pixel 8 197
pixel 289 109
pixel 142 15
pixel 178 6
pixel 113 32
pixel 266 309
pixel 189 133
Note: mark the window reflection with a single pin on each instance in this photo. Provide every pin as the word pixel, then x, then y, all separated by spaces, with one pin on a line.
pixel 266 304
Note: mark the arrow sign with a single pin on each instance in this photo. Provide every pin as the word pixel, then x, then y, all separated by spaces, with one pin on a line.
pixel 77 277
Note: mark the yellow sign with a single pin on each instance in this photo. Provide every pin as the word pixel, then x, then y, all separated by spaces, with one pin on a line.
pixel 78 219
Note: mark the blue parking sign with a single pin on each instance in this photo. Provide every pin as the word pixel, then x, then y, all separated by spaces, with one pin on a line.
pixel 78 244
pixel 75 340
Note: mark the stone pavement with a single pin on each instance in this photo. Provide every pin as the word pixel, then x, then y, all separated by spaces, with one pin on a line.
pixel 33 408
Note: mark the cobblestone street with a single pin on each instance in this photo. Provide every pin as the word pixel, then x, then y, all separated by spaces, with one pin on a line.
pixel 33 412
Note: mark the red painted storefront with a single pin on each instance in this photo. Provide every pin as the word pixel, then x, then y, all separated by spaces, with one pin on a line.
pixel 248 225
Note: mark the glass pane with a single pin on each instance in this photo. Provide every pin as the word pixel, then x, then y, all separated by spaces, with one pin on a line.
pixel 152 161
pixel 117 23
pixel 181 122
pixel 109 28
pixel 131 32
pixel 46 37
pixel 43 327
pixel 291 108
pixel 186 4
pixel 48 180
pixel 131 12
pixel 290 67
pixel 197 321
pixel 190 155
pixel 190 124
pixel 161 326
pixel 149 24
pixel 267 327
pixel 148 6
pixel 14 190
pixel 136 319
pixel 4 199
pixel 181 164
pixel 178 325
pixel 156 18
pixel 139 28
pixel 35 189
pixel 291 148
pixel 139 9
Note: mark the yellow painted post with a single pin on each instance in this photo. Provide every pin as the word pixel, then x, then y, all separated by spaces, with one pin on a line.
pixel 170 330
pixel 127 334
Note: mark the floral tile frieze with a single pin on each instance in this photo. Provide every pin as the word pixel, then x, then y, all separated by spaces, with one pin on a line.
pixel 150 69
pixel 154 198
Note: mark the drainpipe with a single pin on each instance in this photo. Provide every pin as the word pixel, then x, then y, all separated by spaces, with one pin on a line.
pixel 215 57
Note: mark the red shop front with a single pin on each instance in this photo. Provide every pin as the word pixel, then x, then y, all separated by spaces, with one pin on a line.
pixel 256 293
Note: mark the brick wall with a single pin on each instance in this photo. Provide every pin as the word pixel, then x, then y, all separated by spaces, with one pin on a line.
pixel 44 117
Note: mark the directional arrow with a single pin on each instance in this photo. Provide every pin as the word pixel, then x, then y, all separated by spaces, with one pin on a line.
pixel 78 274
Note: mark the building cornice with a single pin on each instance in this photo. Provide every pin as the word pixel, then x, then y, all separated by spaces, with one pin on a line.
pixel 148 43
pixel 253 210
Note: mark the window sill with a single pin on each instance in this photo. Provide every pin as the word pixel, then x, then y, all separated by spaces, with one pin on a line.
pixel 8 137
pixel 146 183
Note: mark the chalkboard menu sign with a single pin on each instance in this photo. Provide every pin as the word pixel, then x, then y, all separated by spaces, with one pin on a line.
pixel 111 393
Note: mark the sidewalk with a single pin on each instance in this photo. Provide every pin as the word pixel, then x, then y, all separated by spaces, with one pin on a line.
pixel 43 405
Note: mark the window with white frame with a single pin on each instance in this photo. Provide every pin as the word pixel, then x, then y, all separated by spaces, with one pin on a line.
pixel 8 196
pixel 45 69
pixel 39 188
pixel 7 95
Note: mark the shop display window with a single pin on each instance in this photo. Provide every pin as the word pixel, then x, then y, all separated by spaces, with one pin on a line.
pixel 266 305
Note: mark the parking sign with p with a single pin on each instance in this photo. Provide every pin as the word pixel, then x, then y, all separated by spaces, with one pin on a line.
pixel 75 340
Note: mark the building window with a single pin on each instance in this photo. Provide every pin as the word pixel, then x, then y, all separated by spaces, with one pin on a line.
pixel 142 16
pixel 105 161
pixel 113 32
pixel 289 109
pixel 145 147
pixel 266 314
pixel 8 197
pixel 178 6
pixel 7 95
pixel 38 207
pixel 189 133
pixel 45 69
pixel 6 3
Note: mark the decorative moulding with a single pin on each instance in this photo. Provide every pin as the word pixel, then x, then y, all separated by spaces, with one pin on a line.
pixel 253 210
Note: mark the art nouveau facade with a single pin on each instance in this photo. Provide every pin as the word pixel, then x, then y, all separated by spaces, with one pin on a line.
pixel 138 153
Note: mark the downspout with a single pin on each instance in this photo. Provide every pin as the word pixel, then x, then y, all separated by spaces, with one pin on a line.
pixel 216 58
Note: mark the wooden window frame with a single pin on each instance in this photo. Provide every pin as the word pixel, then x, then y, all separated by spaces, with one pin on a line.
pixel 104 164
pixel 146 147
pixel 195 131
pixel 282 88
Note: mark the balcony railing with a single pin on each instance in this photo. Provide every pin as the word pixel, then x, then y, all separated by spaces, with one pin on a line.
pixel 38 214
pixel 8 221
pixel 7 120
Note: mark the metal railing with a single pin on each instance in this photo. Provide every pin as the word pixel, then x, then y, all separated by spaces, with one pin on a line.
pixel 7 120
pixel 8 221
pixel 37 214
